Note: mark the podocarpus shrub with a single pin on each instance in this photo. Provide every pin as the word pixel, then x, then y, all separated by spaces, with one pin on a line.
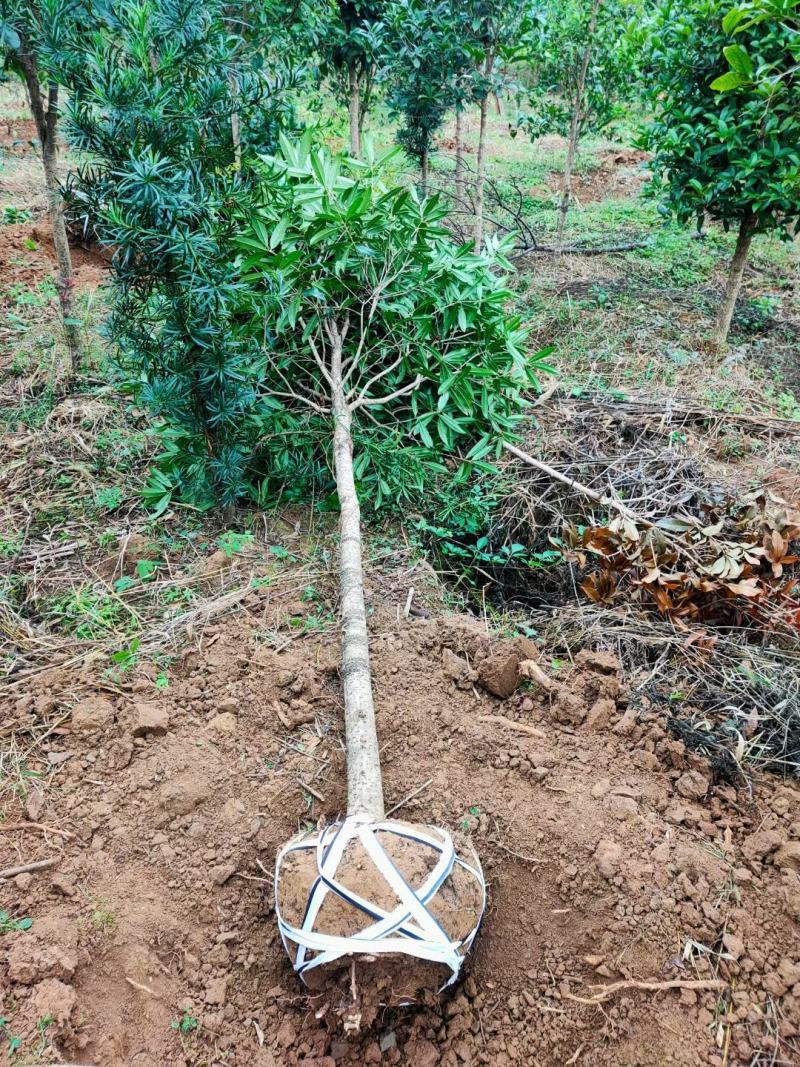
pixel 160 97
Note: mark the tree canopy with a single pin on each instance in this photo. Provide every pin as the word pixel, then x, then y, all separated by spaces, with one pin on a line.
pixel 431 354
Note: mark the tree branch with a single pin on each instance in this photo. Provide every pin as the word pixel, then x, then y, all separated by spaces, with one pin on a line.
pixel 391 396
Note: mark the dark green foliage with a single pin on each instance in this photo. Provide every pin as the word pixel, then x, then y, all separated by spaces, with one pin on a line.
pixel 351 40
pixel 776 75
pixel 731 155
pixel 151 106
pixel 327 242
pixel 429 60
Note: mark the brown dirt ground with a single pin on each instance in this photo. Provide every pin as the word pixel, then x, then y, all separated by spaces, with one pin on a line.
pixel 22 265
pixel 18 135
pixel 618 174
pixel 609 853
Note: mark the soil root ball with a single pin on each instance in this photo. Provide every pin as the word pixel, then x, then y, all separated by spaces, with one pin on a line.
pixel 385 890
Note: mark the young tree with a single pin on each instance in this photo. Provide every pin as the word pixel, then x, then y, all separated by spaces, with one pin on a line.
pixel 732 154
pixel 32 34
pixel 427 56
pixel 376 318
pixel 351 48
pixel 498 30
pixel 586 62
pixel 331 248
pixel 575 87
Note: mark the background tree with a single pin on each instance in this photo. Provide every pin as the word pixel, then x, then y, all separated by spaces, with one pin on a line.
pixel 587 61
pixel 734 155
pixel 33 33
pixel 498 30
pixel 427 56
pixel 350 46
pixel 150 105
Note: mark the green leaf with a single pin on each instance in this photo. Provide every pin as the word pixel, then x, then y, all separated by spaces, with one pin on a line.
pixel 279 232
pixel 732 19
pixel 739 59
pixel 732 80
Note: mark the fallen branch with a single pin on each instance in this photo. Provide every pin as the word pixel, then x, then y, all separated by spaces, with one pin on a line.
pixel 581 250
pixel 603 500
pixel 680 410
pixel 583 490
pixel 37 865
pixel 656 987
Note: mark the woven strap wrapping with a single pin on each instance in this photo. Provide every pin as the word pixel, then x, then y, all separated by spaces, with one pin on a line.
pixel 409 928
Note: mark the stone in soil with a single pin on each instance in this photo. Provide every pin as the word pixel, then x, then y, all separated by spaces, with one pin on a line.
pixel 149 719
pixel 498 674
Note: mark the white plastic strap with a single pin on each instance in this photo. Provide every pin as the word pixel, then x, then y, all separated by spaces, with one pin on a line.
pixel 409 928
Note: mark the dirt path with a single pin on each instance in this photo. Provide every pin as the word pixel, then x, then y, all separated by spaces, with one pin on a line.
pixel 610 856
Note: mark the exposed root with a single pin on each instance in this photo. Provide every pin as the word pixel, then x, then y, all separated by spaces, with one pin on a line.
pixel 610 990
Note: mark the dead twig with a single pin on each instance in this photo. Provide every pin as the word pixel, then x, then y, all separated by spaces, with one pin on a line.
pixel 143 988
pixel 8 826
pixel 409 598
pixel 610 990
pixel 520 727
pixel 411 795
pixel 310 789
pixel 36 865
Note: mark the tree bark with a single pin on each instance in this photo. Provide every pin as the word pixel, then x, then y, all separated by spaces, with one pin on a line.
pixel 460 170
pixel 423 176
pixel 480 175
pixel 45 120
pixel 735 275
pixel 236 130
pixel 575 126
pixel 364 782
pixel 355 111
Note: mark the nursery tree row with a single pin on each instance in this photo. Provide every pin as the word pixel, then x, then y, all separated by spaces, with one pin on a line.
pixel 175 105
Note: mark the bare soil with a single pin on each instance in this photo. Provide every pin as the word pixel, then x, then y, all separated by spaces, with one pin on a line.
pixel 27 257
pixel 617 175
pixel 18 135
pixel 610 855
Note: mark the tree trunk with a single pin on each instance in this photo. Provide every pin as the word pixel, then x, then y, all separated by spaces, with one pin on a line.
pixel 735 275
pixel 575 126
pixel 480 175
pixel 364 782
pixel 45 120
pixel 460 170
pixel 423 175
pixel 364 99
pixel 355 112
pixel 236 132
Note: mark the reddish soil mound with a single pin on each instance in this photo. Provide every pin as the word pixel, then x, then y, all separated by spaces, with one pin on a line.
pixel 19 136
pixel 618 175
pixel 21 264
pixel 610 856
